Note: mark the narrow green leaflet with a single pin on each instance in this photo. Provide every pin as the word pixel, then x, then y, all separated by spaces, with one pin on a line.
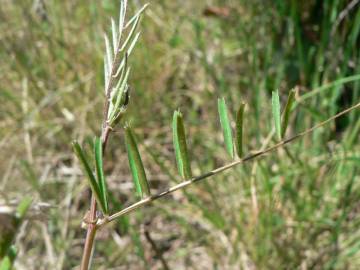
pixel 136 165
pixel 181 152
pixel 226 127
pixel 91 178
pixel 287 111
pixel 239 130
pixel 131 33
pixel 23 207
pixel 138 13
pixel 7 262
pixel 114 32
pixel 100 173
pixel 275 104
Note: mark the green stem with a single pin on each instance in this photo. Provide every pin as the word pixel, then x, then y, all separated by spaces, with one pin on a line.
pixel 90 237
pixel 92 228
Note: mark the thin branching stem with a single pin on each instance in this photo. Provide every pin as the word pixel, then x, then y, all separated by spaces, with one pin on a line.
pixel 90 236
pixel 92 228
pixel 193 180
pixel 106 126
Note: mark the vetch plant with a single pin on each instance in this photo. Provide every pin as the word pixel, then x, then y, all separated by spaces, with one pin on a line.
pixel 117 71
pixel 116 74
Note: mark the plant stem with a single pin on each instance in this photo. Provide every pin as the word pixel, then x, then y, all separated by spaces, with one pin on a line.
pixel 92 228
pixel 106 126
pixel 158 252
pixel 90 236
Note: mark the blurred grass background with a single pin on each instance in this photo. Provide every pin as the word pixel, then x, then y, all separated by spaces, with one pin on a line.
pixel 298 208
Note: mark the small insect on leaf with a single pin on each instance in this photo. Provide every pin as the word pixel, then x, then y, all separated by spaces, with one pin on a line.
pixel 275 104
pixel 136 165
pixel 287 111
pixel 226 127
pixel 100 173
pixel 180 146
pixel 239 130
pixel 90 176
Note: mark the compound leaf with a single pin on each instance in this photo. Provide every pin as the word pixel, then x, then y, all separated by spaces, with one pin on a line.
pixel 90 176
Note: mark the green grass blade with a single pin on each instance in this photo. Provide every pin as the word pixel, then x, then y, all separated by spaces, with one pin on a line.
pixel 239 130
pixel 287 111
pixel 226 127
pixel 136 165
pixel 180 146
pixel 328 86
pixel 275 104
pixel 100 173
pixel 90 176
pixel 179 162
pixel 30 175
